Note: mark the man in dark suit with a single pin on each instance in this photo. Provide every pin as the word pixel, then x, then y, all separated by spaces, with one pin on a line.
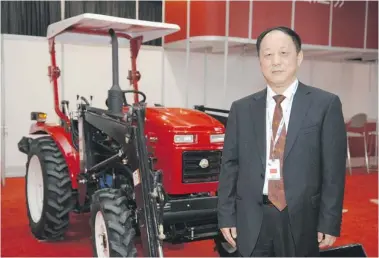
pixel 283 169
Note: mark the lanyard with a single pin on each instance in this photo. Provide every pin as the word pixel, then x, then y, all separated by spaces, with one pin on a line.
pixel 280 128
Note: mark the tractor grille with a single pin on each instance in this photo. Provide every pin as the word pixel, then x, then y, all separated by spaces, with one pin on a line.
pixel 194 173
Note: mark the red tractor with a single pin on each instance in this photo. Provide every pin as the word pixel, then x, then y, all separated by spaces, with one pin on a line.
pixel 140 171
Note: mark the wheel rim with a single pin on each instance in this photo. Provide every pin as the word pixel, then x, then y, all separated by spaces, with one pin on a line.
pixel 35 190
pixel 101 236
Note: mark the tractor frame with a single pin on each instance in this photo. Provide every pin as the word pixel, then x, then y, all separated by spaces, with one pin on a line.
pixel 99 160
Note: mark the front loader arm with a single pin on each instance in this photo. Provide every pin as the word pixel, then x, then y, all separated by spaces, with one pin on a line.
pixel 128 131
pixel 145 187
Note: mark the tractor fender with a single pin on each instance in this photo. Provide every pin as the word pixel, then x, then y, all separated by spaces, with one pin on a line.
pixel 63 140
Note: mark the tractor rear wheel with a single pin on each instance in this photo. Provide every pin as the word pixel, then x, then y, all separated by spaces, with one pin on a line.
pixel 48 190
pixel 112 225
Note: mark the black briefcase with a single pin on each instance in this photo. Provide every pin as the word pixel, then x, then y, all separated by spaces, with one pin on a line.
pixel 353 250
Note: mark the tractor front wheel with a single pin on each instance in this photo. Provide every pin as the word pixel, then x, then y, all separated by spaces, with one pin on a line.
pixel 112 225
pixel 48 190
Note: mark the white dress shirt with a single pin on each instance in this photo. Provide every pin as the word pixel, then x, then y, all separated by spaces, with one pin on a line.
pixel 270 106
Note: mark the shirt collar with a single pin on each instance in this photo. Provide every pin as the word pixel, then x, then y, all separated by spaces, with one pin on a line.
pixel 287 93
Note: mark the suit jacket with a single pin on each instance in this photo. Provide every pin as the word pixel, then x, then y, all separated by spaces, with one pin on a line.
pixel 314 168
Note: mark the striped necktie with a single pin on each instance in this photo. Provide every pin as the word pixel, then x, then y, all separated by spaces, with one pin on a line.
pixel 276 187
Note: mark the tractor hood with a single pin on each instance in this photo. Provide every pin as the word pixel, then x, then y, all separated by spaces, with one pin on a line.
pixel 182 119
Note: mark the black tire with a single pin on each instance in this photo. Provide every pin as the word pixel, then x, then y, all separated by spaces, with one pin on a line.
pixel 57 191
pixel 118 220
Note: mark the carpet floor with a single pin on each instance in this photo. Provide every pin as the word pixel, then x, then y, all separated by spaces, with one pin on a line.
pixel 360 224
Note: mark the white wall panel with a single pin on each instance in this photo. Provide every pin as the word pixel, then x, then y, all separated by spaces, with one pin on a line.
pixel 214 92
pixel 87 70
pixel 334 78
pixel 174 79
pixel 373 92
pixel 305 72
pixel 196 84
pixel 2 113
pixel 150 66
pixel 238 83
pixel 27 89
pixel 358 89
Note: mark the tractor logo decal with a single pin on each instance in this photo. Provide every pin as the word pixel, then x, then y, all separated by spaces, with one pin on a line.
pixel 204 163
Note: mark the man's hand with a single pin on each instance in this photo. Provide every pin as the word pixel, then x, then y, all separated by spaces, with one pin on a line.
pixel 230 234
pixel 325 240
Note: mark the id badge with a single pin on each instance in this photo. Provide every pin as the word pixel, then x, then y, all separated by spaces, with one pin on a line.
pixel 274 169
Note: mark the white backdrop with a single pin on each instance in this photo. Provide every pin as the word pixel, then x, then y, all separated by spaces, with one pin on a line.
pixel 86 70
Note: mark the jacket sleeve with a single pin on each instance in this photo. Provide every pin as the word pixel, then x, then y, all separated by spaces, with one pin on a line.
pixel 334 152
pixel 228 173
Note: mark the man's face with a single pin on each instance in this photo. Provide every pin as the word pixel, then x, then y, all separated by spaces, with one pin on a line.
pixel 278 59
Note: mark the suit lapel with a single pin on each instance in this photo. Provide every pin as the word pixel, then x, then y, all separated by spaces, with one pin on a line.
pixel 258 115
pixel 300 106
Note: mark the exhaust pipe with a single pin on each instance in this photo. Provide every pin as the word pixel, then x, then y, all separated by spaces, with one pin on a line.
pixel 115 95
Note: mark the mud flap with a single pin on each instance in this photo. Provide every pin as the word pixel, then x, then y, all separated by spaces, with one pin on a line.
pixel 24 144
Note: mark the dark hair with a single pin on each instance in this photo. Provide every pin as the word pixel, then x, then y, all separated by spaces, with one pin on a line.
pixel 294 36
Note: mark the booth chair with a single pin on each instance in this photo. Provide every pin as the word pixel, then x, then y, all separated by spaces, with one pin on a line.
pixel 357 127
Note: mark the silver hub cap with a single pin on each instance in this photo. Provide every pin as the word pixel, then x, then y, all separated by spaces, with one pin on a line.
pixel 101 236
pixel 35 189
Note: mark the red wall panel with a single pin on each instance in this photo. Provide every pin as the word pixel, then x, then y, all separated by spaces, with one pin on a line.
pixel 207 18
pixel 269 14
pixel 176 12
pixel 312 22
pixel 348 24
pixel 239 19
pixel 372 25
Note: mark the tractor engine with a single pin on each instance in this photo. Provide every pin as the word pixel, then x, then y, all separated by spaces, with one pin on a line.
pixel 186 145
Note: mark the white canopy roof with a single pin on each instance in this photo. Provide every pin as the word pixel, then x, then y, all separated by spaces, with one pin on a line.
pixel 100 24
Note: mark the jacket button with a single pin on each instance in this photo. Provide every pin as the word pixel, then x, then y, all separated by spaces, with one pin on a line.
pixel 262 175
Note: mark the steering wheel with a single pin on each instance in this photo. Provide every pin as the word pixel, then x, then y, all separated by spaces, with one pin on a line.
pixel 85 100
pixel 130 91
pixel 138 92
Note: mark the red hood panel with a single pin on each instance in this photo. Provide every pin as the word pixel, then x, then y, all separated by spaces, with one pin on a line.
pixel 183 118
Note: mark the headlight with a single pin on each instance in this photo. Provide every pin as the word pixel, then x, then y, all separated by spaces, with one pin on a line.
pixel 38 116
pixel 183 138
pixel 217 138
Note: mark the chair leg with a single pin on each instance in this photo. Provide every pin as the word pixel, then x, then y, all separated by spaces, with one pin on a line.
pixel 372 150
pixel 348 157
pixel 366 154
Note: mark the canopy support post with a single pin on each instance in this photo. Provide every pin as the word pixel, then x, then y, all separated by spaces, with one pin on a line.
pixel 188 53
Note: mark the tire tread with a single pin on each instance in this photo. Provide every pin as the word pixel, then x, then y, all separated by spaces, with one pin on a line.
pixel 58 203
pixel 118 219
